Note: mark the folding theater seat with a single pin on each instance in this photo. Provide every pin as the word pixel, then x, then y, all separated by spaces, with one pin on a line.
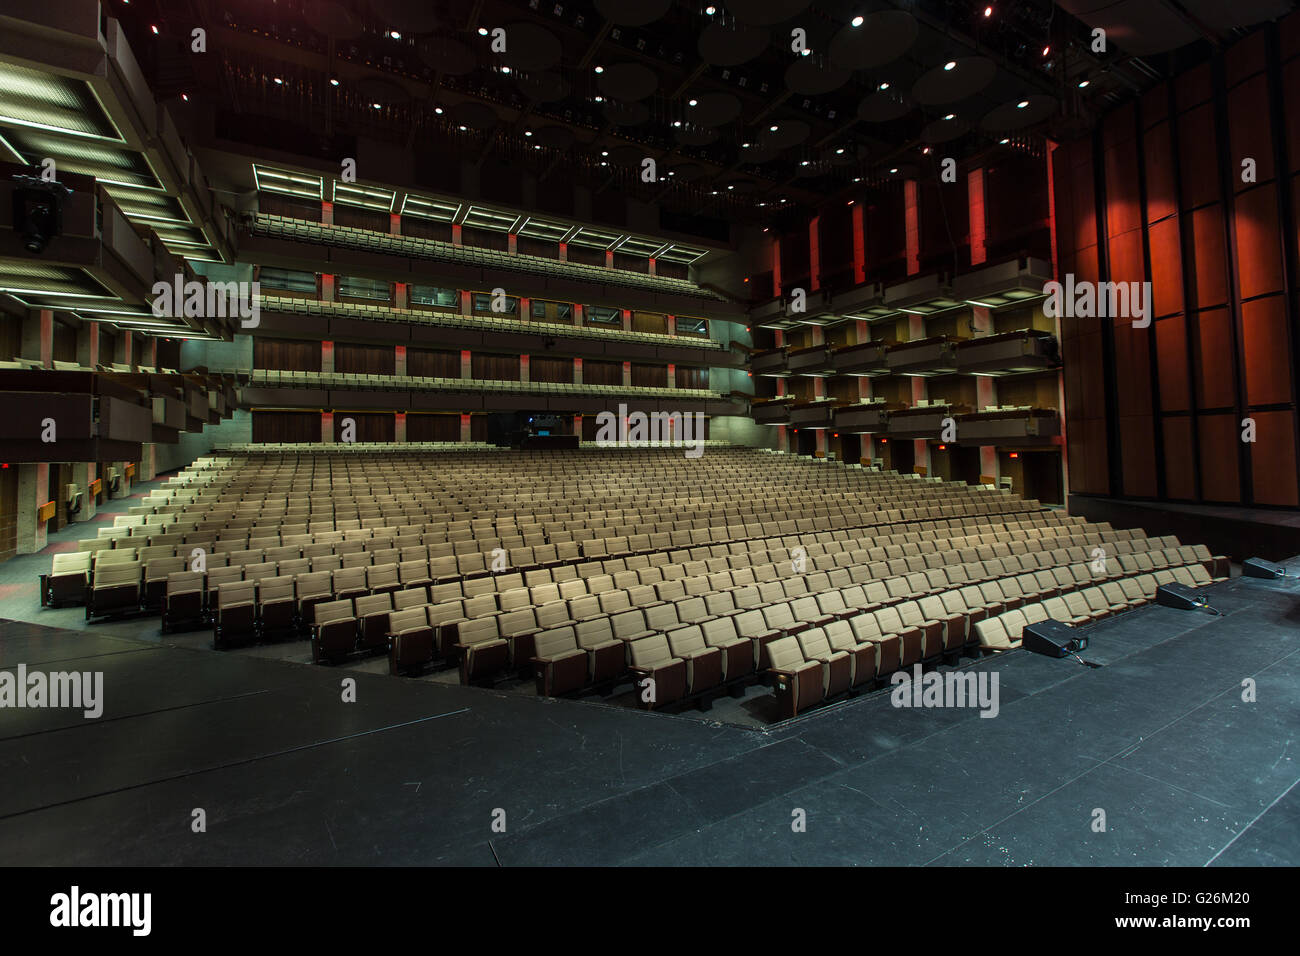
pixel 559 664
pixel 911 639
pixel 382 578
pixel 652 660
pixel 837 666
pixel 333 632
pixel 1058 609
pixel 410 640
pixel 752 626
pixel 799 683
pixel 183 599
pixel 956 628
pixel 67 580
pixel 114 588
pixel 482 651
pixel 217 577
pixel 863 654
pixel 739 657
pixel 934 633
pixel 606 655
pixel 704 664
pixel 309 590
pixel 235 616
pixel 992 634
pixel 372 612
pixel 275 607
pixel 349 582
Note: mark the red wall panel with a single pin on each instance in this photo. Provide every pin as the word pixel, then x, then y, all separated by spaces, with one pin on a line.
pixel 1166 267
pixel 1248 129
pixel 1211 264
pixel 1219 437
pixel 1215 376
pixel 1171 355
pixel 1157 154
pixel 1264 341
pixel 1258 250
pixel 1180 482
pixel 1196 156
pixel 1123 210
pixel 1272 458
pixel 1137 434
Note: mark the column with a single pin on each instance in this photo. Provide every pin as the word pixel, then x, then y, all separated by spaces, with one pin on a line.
pixel 672 325
pixel 327 288
pixel 327 357
pixel 394 224
pixel 564 252
pixel 399 360
pixel 466 431
pixel 986 394
pixel 672 375
pixel 402 295
pixel 326 426
pixel 920 390
pixel 88 345
pixel 399 426
pixel 577 371
pixel 33 486
pixel 456 238
pixel 627 374
pixel 652 266
pixel 523 369
pixel 38 337
pixel 627 320
pixel 525 309
pixel 466 365
pixel 326 213
pixel 512 244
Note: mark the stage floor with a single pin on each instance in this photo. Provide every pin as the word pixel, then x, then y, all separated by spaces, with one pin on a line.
pixel 417 771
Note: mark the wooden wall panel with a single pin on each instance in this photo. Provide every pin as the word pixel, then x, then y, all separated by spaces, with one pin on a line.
pixel 426 427
pixel 1258 242
pixel 288 355
pixel 1219 436
pixel 278 426
pixel 432 363
pixel 354 359
pixel 370 426
pixel 497 368
pixel 1180 469
pixel 1273 459
pixel 1268 364
pixel 1211 268
pixel 1198 163
pixel 1171 357
pixel 1166 268
pixel 1216 376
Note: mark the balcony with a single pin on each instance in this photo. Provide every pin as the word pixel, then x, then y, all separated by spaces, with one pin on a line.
pixel 862 418
pixel 771 363
pixel 936 355
pixel 772 411
pixel 813 362
pixel 814 414
pixel 867 358
pixel 1004 285
pixel 1009 353
pixel 1020 425
pixel 922 421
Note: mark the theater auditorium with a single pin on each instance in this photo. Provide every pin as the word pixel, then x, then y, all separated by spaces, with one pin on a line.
pixel 649 432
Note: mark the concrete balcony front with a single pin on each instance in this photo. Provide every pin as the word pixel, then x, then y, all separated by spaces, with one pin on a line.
pixel 1018 426
pixel 770 364
pixel 772 411
pixel 815 414
pixel 815 361
pixel 866 358
pixel 1010 353
pixel 936 355
pixel 862 418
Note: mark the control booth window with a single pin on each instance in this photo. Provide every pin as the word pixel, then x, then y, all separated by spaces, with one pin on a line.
pixel 598 315
pixel 687 326
pixel 287 280
pixel 483 304
pixel 537 309
pixel 432 295
pixel 374 289
pixel 564 312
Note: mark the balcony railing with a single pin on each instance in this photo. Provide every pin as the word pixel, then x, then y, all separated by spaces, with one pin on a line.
pixel 771 363
pixel 1019 425
pixel 936 355
pixel 862 418
pixel 1008 353
pixel 772 411
pixel 815 361
pixel 867 358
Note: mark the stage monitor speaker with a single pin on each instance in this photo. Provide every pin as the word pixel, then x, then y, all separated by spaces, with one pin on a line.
pixel 1052 638
pixel 1259 568
pixel 1179 596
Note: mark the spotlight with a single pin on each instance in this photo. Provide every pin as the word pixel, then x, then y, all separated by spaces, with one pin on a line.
pixel 693 103
pixel 771 129
pixel 604 152
pixel 951 116
pixel 528 132
pixel 334 81
pixel 463 129
pixel 894 170
pixel 438 110
pixel 950 65
pixel 394 34
pixel 1004 142
pixel 1022 104
pixel 988 12
pixel 883 86
pixel 279 82
pixel 600 69
pixel 710 9
pixel 185 97
pixel 1083 84
pixel 505 69
pixel 840 151
pixel 380 106
pixel 482 31
pixel 600 99
pixel 38 210
pixel 1047 50
pixel 857 21
pixel 154 28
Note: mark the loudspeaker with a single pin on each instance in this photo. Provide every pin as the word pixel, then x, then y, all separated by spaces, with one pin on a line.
pixel 1052 638
pixel 1258 568
pixel 1179 596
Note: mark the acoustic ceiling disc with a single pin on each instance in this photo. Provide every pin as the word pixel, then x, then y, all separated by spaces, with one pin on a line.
pixel 446 55
pixel 689 172
pixel 731 46
pixel 808 76
pixel 883 108
pixel 380 89
pixel 332 18
pixel 528 47
pixel 637 14
pixel 968 76
pixel 714 109
pixel 1142 28
pixel 626 114
pixel 474 115
pixel 788 133
pixel 944 131
pixel 696 135
pixel 882 38
pixel 555 137
pixel 543 87
pixel 1012 115
pixel 406 16
pixel 628 81
pixel 764 13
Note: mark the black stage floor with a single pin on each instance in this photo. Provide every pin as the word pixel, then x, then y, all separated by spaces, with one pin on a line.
pixel 416 772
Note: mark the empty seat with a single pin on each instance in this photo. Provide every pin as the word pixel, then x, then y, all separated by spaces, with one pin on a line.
pixel 234 619
pixel 661 677
pixel 704 664
pixel 560 665
pixel 333 632
pixel 410 641
pixel 67 580
pixel 275 606
pixel 482 652
pixel 837 666
pixel 114 588
pixel 799 683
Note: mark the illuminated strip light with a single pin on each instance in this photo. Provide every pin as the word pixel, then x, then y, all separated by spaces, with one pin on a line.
pixel 364 196
pixel 429 209
pixel 10 146
pixel 296 183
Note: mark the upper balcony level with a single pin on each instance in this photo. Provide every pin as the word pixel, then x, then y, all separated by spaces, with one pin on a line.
pixel 478 265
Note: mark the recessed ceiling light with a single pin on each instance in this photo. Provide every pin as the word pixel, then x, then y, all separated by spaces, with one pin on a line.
pixel 857 179
pixel 951 116
pixel 463 129
pixel 857 21
pixel 600 99
pixel 849 203
pixel 279 82
pixel 154 28
pixel 771 129
pixel 894 170
pixel 744 146
pixel 604 163
pixel 1083 83
pixel 988 11
pixel 600 69
pixel 438 110
pixel 950 65
pixel 1004 141
pixel 710 9
pixel 334 81
pixel 185 97
pixel 806 52
pixel 482 31
pixel 505 69
pixel 1022 104
pixel 926 151
pixel 694 103
pixel 380 106
pixel 884 86
pixel 604 152
pixel 731 187
pixel 394 34
pixel 840 151
pixel 804 163
pixel 1047 50
pixel 537 146
pixel 528 132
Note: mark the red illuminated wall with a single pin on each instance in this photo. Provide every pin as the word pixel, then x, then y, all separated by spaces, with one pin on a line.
pixel 1156 194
